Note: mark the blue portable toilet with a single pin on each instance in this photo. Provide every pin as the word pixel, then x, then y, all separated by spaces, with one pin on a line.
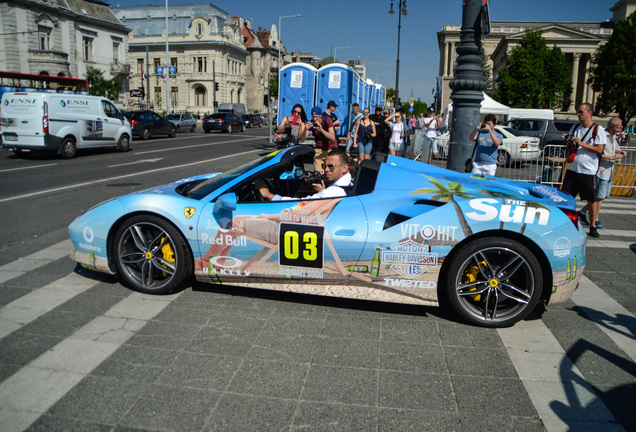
pixel 380 92
pixel 297 84
pixel 340 83
pixel 371 96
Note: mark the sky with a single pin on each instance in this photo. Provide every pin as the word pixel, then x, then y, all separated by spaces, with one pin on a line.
pixel 372 34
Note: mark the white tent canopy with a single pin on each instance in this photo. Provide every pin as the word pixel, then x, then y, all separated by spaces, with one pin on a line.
pixel 488 106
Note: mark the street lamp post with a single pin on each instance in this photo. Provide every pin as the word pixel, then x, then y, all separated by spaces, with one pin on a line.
pixel 167 64
pixel 279 34
pixel 401 11
pixel 467 87
pixel 335 50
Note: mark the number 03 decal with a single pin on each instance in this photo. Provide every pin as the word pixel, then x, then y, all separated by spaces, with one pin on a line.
pixel 301 245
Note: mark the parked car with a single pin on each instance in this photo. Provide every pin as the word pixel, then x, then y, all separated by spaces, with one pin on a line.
pixel 264 118
pixel 183 121
pixel 146 124
pixel 246 119
pixel 406 232
pixel 224 122
pixel 516 147
pixel 548 131
pixel 256 120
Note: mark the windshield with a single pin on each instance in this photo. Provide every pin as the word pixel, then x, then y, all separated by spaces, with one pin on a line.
pixel 172 117
pixel 514 132
pixel 198 190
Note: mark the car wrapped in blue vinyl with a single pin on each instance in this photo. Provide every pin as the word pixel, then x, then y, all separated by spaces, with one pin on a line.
pixel 406 232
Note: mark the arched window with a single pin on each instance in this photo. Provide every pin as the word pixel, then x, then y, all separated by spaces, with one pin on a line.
pixel 200 96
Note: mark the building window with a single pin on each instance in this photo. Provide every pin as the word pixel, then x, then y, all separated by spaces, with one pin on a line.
pixel 45 37
pixel 88 48
pixel 140 67
pixel 116 52
pixel 157 63
pixel 174 96
pixel 201 64
pixel 199 29
pixel 174 62
pixel 200 98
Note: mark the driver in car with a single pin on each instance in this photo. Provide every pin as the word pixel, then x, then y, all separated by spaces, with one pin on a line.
pixel 335 178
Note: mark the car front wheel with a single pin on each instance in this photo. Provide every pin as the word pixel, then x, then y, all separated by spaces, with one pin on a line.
pixel 151 255
pixel 493 282
pixel 124 143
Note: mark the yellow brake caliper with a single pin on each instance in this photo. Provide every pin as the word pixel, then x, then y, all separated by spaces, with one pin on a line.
pixel 168 254
pixel 470 275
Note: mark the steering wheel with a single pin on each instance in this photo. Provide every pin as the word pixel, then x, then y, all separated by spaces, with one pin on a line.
pixel 255 194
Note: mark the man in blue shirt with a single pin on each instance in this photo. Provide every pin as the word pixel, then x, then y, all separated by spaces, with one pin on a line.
pixel 485 159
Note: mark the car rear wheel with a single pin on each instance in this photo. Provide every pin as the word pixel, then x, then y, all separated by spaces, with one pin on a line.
pixel 503 158
pixel 151 255
pixel 243 128
pixel 68 149
pixel 229 128
pixel 124 143
pixel 173 132
pixel 145 134
pixel 493 282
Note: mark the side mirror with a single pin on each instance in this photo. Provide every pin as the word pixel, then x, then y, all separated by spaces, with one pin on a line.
pixel 226 202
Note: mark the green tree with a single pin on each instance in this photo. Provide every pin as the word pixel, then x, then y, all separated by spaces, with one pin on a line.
pixel 100 86
pixel 535 76
pixel 613 74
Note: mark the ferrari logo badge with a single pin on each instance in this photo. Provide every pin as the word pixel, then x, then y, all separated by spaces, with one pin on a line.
pixel 189 212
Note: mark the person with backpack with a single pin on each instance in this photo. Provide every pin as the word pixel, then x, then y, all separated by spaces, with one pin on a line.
pixel 587 140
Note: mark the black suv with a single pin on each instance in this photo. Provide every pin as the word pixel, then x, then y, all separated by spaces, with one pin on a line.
pixel 147 123
pixel 548 131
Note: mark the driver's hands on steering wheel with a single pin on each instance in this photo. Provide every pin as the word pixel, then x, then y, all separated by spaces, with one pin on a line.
pixel 262 189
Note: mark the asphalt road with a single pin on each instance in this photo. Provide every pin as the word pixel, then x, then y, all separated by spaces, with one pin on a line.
pixel 41 193
pixel 78 351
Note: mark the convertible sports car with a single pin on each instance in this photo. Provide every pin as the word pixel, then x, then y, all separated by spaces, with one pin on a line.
pixel 406 232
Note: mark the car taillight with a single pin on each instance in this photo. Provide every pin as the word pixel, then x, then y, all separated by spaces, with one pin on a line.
pixel 573 215
pixel 133 122
pixel 45 118
pixel 524 145
pixel 221 121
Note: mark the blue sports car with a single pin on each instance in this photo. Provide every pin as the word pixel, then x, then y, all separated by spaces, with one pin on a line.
pixel 406 232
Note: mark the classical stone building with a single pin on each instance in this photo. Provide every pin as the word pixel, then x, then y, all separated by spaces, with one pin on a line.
pixel 205 47
pixel 577 40
pixel 62 38
pixel 261 63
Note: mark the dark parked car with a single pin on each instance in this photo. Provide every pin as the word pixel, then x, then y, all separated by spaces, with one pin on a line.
pixel 247 120
pixel 225 122
pixel 548 131
pixel 256 120
pixel 146 124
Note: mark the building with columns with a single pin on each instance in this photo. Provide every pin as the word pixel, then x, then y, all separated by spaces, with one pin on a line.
pixel 577 40
pixel 205 46
pixel 62 38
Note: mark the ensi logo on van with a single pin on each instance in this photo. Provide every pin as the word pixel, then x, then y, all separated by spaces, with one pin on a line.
pixel 73 103
pixel 16 100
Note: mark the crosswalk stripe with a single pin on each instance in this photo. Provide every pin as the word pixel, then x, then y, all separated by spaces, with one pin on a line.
pixel 31 391
pixel 35 260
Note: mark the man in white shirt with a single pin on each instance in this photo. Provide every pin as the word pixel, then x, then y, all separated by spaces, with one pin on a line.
pixel 605 174
pixel 580 178
pixel 431 125
pixel 336 177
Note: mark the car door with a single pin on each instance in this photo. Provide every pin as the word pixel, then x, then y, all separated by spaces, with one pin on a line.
pixel 112 122
pixel 293 240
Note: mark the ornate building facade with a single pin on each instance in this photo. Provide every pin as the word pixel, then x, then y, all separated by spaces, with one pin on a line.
pixel 577 40
pixel 205 47
pixel 62 38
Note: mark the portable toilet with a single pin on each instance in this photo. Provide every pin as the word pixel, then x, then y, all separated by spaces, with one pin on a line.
pixel 380 93
pixel 340 83
pixel 371 94
pixel 297 84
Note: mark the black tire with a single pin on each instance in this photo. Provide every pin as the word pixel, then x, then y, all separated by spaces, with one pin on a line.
pixel 173 132
pixel 493 282
pixel 178 128
pixel 503 158
pixel 243 128
pixel 229 128
pixel 193 128
pixel 68 148
pixel 124 143
pixel 145 134
pixel 206 130
pixel 143 249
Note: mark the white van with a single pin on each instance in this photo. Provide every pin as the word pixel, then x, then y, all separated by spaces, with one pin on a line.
pixel 62 123
pixel 236 108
